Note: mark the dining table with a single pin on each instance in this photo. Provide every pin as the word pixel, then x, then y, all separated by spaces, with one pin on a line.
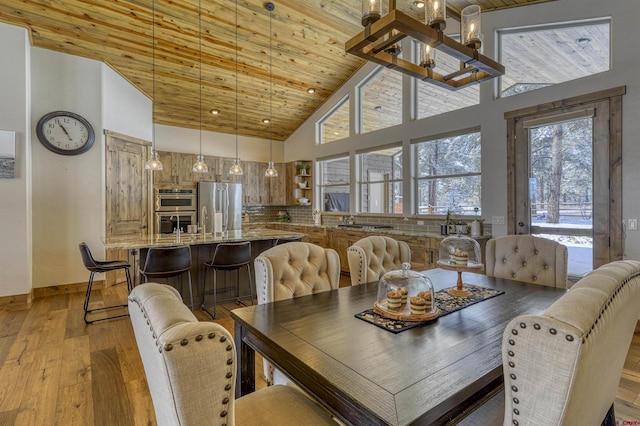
pixel 433 373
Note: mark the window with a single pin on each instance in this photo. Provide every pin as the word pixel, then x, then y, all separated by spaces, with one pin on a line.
pixel 380 180
pixel 381 100
pixel 432 100
pixel 335 125
pixel 334 184
pixel 540 57
pixel 448 175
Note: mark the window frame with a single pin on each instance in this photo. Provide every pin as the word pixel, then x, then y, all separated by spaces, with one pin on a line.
pixel 360 176
pixel 320 123
pixel 320 186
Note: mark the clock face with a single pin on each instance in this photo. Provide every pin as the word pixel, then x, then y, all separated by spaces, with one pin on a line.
pixel 65 133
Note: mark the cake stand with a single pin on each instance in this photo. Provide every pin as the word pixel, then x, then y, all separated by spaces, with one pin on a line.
pixel 459 290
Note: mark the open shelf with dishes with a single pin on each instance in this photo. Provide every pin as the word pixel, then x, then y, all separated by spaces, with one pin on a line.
pixel 299 183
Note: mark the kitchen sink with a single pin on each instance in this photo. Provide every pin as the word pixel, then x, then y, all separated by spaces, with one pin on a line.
pixel 364 226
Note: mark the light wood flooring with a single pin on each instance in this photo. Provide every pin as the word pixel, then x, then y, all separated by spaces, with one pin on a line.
pixel 55 370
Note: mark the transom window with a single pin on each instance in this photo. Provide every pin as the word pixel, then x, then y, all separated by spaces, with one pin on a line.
pixel 448 174
pixel 543 56
pixel 335 125
pixel 380 180
pixel 381 100
pixel 334 184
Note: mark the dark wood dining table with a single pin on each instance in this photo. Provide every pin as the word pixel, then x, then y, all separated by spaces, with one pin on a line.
pixel 365 375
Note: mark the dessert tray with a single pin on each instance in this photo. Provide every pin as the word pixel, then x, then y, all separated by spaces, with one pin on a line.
pixel 403 312
pixel 450 264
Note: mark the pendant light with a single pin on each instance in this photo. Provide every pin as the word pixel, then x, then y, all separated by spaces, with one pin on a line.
pixel 154 162
pixel 236 168
pixel 271 170
pixel 200 166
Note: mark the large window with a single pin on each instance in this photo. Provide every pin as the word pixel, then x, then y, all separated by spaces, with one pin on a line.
pixel 381 100
pixel 380 180
pixel 334 184
pixel 335 125
pixel 540 57
pixel 432 100
pixel 448 175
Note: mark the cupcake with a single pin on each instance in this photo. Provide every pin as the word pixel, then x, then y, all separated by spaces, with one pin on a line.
pixel 418 305
pixel 394 299
pixel 404 292
pixel 426 295
pixel 459 257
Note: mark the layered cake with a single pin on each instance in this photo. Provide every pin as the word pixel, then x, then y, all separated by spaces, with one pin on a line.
pixel 418 305
pixel 459 257
pixel 426 295
pixel 404 292
pixel 394 299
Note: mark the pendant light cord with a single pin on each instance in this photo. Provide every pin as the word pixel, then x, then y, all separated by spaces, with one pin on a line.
pixel 270 87
pixel 237 158
pixel 153 77
pixel 200 68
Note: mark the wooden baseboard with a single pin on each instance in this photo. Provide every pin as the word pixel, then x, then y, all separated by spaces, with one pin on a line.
pixel 637 330
pixel 66 289
pixel 18 299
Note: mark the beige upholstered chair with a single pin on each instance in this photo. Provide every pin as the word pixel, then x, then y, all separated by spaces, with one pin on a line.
pixel 191 369
pixel 563 367
pixel 372 257
pixel 292 270
pixel 526 258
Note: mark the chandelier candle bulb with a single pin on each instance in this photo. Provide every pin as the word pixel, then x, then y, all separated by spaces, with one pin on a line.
pixel 436 14
pixel 470 27
pixel 371 11
pixel 427 56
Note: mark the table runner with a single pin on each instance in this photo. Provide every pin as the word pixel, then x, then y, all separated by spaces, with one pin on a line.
pixel 444 301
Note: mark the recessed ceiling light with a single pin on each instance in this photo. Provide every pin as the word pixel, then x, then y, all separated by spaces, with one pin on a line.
pixel 311 90
pixel 215 111
pixel 419 4
pixel 583 40
pixel 266 121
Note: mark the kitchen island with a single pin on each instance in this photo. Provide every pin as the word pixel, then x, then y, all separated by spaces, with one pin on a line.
pixel 202 249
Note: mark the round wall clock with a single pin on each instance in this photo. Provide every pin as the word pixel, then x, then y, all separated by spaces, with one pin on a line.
pixel 65 133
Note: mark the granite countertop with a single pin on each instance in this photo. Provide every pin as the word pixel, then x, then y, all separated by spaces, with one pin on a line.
pixel 382 231
pixel 164 240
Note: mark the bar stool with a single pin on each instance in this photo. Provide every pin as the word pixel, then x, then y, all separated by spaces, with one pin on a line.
pixel 228 257
pixel 166 262
pixel 100 266
pixel 279 241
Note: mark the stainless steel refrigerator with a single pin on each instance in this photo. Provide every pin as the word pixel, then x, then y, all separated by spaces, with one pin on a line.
pixel 220 197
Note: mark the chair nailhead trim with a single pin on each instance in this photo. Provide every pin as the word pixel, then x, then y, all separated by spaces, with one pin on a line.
pixel 199 337
pixel 515 422
pixel 228 348
pixel 511 364
pixel 553 331
pixel 223 339
pixel 569 337
pixel 184 342
pixel 227 387
pixel 211 335
pixel 511 342
pixel 168 347
pixel 223 414
pixel 229 375
pixel 514 332
pixel 514 388
pixel 511 353
pixel 523 325
pixel 516 411
pixel 230 361
pixel 516 401
pixel 513 376
pixel 225 400
pixel 536 326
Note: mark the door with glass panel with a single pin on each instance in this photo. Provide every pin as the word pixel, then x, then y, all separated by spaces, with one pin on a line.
pixel 562 169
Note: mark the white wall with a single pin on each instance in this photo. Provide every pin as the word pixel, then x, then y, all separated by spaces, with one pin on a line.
pixel 169 138
pixel 490 113
pixel 15 199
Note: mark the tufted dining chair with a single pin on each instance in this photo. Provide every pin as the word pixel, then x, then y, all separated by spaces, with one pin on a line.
pixel 527 258
pixel 372 257
pixel 292 270
pixel 190 367
pixel 563 367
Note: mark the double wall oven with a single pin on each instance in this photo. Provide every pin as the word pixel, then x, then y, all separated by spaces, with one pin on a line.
pixel 173 206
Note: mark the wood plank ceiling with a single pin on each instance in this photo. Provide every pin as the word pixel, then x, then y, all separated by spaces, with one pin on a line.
pixel 307 52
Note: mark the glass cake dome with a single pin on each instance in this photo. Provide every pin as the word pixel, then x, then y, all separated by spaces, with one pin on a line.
pixel 406 294
pixel 460 251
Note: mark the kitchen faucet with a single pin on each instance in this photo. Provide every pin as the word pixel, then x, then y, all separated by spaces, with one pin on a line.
pixel 178 229
pixel 204 219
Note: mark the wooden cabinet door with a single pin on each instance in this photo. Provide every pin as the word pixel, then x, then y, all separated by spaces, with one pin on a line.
pixel 225 165
pixel 165 176
pixel 340 240
pixel 183 166
pixel 251 182
pixel 213 164
pixel 277 186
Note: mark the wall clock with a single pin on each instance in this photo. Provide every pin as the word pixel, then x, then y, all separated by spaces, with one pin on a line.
pixel 65 133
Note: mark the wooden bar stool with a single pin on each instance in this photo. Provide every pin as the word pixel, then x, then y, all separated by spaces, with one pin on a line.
pixel 167 262
pixel 228 257
pixel 100 266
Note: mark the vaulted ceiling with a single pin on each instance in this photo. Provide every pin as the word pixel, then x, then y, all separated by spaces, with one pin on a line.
pixel 307 51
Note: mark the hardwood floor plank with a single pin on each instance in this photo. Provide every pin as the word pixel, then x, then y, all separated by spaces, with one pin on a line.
pixel 12 394
pixel 8 417
pixel 76 362
pixel 111 405
pixel 75 405
pixel 141 403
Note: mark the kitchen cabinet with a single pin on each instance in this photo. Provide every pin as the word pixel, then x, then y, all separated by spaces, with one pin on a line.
pixel 299 182
pixel 315 235
pixel 225 164
pixel 340 240
pixel 176 170
pixel 260 190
